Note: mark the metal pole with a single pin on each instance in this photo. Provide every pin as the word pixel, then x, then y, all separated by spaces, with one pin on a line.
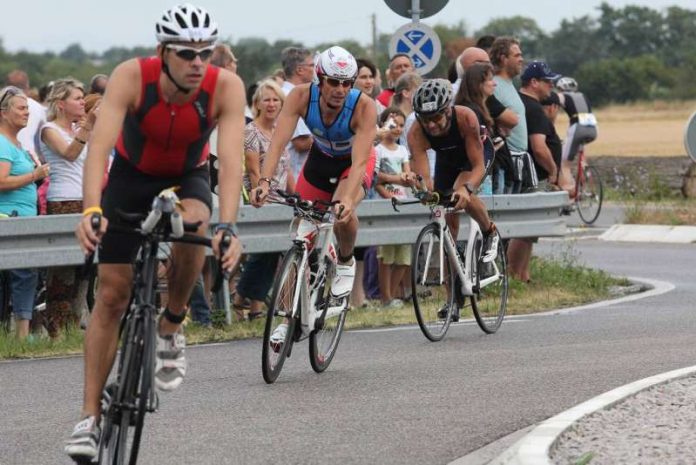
pixel 415 11
pixel 374 36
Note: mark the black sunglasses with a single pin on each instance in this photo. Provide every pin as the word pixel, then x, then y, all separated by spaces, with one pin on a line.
pixel 345 83
pixel 190 53
pixel 10 91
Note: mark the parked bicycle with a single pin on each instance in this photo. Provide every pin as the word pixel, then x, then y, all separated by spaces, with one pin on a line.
pixel 126 401
pixel 301 304
pixel 443 277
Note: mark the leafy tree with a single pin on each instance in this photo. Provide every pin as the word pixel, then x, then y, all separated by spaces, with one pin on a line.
pixel 525 29
pixel 573 44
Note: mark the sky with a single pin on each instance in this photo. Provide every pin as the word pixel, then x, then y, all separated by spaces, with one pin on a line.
pixel 52 25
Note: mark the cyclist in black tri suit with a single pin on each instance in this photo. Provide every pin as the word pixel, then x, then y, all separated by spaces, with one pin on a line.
pixel 454 133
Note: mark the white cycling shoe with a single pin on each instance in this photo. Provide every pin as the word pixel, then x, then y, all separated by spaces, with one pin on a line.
pixel 170 367
pixel 342 283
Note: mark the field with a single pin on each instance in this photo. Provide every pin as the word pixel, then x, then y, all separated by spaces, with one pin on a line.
pixel 640 129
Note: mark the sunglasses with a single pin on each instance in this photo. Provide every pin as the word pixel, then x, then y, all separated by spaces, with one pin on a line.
pixel 345 83
pixel 10 91
pixel 434 118
pixel 190 53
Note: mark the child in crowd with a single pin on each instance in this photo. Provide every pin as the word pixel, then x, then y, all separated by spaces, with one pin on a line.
pixel 393 175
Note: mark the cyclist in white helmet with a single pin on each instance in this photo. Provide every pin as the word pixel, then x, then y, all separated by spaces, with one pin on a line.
pixel 341 162
pixel 157 114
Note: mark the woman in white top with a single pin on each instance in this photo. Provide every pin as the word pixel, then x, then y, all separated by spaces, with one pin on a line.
pixel 63 145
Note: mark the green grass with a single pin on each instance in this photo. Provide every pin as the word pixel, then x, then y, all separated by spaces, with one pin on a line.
pixel 556 282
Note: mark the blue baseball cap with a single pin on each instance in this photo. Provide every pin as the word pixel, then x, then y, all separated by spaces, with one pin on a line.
pixel 538 70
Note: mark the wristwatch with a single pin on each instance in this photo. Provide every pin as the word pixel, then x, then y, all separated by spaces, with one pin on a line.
pixel 228 227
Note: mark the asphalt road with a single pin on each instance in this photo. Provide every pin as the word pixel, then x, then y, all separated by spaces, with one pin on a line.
pixel 389 396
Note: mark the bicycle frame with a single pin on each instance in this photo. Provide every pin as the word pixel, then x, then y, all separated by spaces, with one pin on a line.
pixel 320 238
pixel 466 274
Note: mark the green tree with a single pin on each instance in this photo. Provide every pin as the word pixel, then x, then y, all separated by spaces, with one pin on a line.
pixel 573 44
pixel 530 35
pixel 630 32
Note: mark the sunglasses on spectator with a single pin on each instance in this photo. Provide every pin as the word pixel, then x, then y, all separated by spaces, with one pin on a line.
pixel 9 92
pixel 345 83
pixel 190 53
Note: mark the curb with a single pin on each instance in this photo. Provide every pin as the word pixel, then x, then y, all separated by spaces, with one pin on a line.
pixel 534 448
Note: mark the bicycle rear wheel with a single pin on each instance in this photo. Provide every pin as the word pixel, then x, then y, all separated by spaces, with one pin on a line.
pixel 489 301
pixel 432 284
pixel 589 195
pixel 281 311
pixel 323 342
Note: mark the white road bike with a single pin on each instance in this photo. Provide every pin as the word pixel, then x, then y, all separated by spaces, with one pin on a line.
pixel 443 277
pixel 301 296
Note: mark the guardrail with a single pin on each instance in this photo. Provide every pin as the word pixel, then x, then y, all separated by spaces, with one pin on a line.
pixel 45 241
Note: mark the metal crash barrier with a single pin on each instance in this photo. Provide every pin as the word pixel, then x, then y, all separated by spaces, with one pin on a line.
pixel 45 241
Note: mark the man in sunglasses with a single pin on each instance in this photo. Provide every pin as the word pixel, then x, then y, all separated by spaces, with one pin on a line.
pixel 454 133
pixel 341 162
pixel 157 113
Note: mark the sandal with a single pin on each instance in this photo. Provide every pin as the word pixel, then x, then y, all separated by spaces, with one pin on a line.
pixel 257 315
pixel 237 312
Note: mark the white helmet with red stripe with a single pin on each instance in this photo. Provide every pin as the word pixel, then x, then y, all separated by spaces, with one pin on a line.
pixel 336 62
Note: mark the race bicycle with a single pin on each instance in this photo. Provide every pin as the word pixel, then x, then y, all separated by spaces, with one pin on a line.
pixel 301 297
pixel 443 276
pixel 126 400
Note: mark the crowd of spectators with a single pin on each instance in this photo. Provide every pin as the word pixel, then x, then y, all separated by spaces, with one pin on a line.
pixel 43 145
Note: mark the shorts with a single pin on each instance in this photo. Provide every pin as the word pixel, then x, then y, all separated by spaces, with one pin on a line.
pixel 321 174
pixel 395 254
pixel 132 191
pixel 447 172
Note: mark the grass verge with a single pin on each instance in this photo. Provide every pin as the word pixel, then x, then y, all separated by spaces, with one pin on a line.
pixel 558 282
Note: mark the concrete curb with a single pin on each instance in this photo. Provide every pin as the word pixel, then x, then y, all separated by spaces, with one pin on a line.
pixel 534 448
pixel 650 233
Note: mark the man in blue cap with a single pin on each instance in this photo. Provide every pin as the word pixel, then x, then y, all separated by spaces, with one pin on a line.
pixel 537 84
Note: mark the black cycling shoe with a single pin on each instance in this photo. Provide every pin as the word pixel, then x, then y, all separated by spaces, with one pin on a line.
pixel 455 314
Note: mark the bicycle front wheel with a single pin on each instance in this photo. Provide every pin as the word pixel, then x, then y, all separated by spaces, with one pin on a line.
pixel 432 281
pixel 489 301
pixel 589 195
pixel 285 297
pixel 323 342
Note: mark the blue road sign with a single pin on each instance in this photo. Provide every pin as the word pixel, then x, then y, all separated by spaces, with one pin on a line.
pixel 420 42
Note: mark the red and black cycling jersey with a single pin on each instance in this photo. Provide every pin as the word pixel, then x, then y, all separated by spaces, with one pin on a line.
pixel 166 139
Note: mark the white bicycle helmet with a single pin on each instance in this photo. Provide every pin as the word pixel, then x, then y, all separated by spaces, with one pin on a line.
pixel 433 96
pixel 336 62
pixel 186 23
pixel 567 84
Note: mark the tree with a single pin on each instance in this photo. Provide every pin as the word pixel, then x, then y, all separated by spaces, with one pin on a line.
pixel 526 30
pixel 632 31
pixel 74 52
pixel 573 44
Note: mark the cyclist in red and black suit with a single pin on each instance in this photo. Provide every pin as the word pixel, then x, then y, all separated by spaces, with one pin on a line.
pixel 160 130
pixel 341 162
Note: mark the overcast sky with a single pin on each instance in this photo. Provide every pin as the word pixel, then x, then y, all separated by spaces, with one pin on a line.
pixel 41 25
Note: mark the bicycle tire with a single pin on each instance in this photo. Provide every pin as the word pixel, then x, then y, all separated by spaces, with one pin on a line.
pixel 430 290
pixel 323 342
pixel 125 405
pixel 489 302
pixel 145 393
pixel 589 195
pixel 273 355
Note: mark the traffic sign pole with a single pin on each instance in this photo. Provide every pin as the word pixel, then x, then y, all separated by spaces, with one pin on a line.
pixel 415 11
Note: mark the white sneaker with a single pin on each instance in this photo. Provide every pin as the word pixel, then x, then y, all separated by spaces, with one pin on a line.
pixel 82 445
pixel 490 251
pixel 170 367
pixel 342 283
pixel 395 303
pixel 278 337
